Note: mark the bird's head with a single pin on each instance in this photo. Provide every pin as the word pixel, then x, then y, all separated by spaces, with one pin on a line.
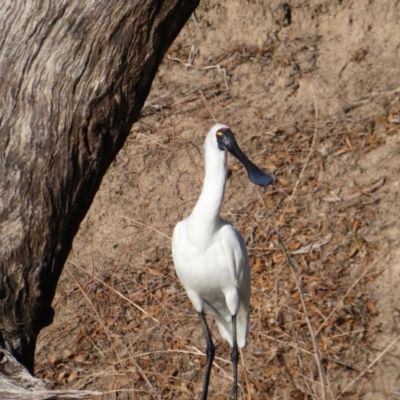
pixel 221 137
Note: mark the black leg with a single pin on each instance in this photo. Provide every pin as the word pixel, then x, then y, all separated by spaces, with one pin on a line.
pixel 210 352
pixel 234 357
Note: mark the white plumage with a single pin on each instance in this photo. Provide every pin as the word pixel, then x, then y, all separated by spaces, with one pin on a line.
pixel 210 255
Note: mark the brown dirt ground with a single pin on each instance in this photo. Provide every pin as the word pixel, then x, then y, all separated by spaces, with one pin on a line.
pixel 311 89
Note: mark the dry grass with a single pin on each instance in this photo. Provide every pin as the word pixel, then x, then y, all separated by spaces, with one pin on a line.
pixel 134 330
pixel 125 325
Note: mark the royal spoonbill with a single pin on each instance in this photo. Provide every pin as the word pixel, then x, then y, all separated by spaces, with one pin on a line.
pixel 210 255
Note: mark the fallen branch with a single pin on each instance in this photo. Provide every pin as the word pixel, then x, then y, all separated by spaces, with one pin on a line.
pixel 16 383
pixel 48 395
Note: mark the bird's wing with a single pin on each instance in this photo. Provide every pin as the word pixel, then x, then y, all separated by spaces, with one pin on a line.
pixel 235 251
pixel 178 247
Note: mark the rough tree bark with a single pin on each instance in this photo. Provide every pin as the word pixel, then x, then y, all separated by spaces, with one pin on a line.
pixel 73 77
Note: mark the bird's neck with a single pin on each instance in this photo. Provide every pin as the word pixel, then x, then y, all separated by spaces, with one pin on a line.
pixel 205 218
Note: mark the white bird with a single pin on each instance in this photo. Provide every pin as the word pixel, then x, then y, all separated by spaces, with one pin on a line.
pixel 210 255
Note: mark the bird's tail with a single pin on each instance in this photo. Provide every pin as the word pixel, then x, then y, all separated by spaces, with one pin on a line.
pixel 242 328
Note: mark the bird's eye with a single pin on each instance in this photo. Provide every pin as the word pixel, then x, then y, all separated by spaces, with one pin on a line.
pixel 220 134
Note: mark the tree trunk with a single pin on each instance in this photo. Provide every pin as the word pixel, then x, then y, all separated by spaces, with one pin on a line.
pixel 74 75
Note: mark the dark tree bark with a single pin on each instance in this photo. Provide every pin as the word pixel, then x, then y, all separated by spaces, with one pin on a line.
pixel 74 75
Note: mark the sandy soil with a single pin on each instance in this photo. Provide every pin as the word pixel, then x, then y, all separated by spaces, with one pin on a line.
pixel 311 89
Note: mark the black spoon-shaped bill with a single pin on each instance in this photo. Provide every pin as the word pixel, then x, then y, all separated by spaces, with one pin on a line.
pixel 226 141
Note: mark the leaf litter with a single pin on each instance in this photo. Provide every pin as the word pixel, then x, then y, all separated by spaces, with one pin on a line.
pixel 124 324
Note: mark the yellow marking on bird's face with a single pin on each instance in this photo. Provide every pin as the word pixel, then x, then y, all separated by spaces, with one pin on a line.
pixel 219 133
